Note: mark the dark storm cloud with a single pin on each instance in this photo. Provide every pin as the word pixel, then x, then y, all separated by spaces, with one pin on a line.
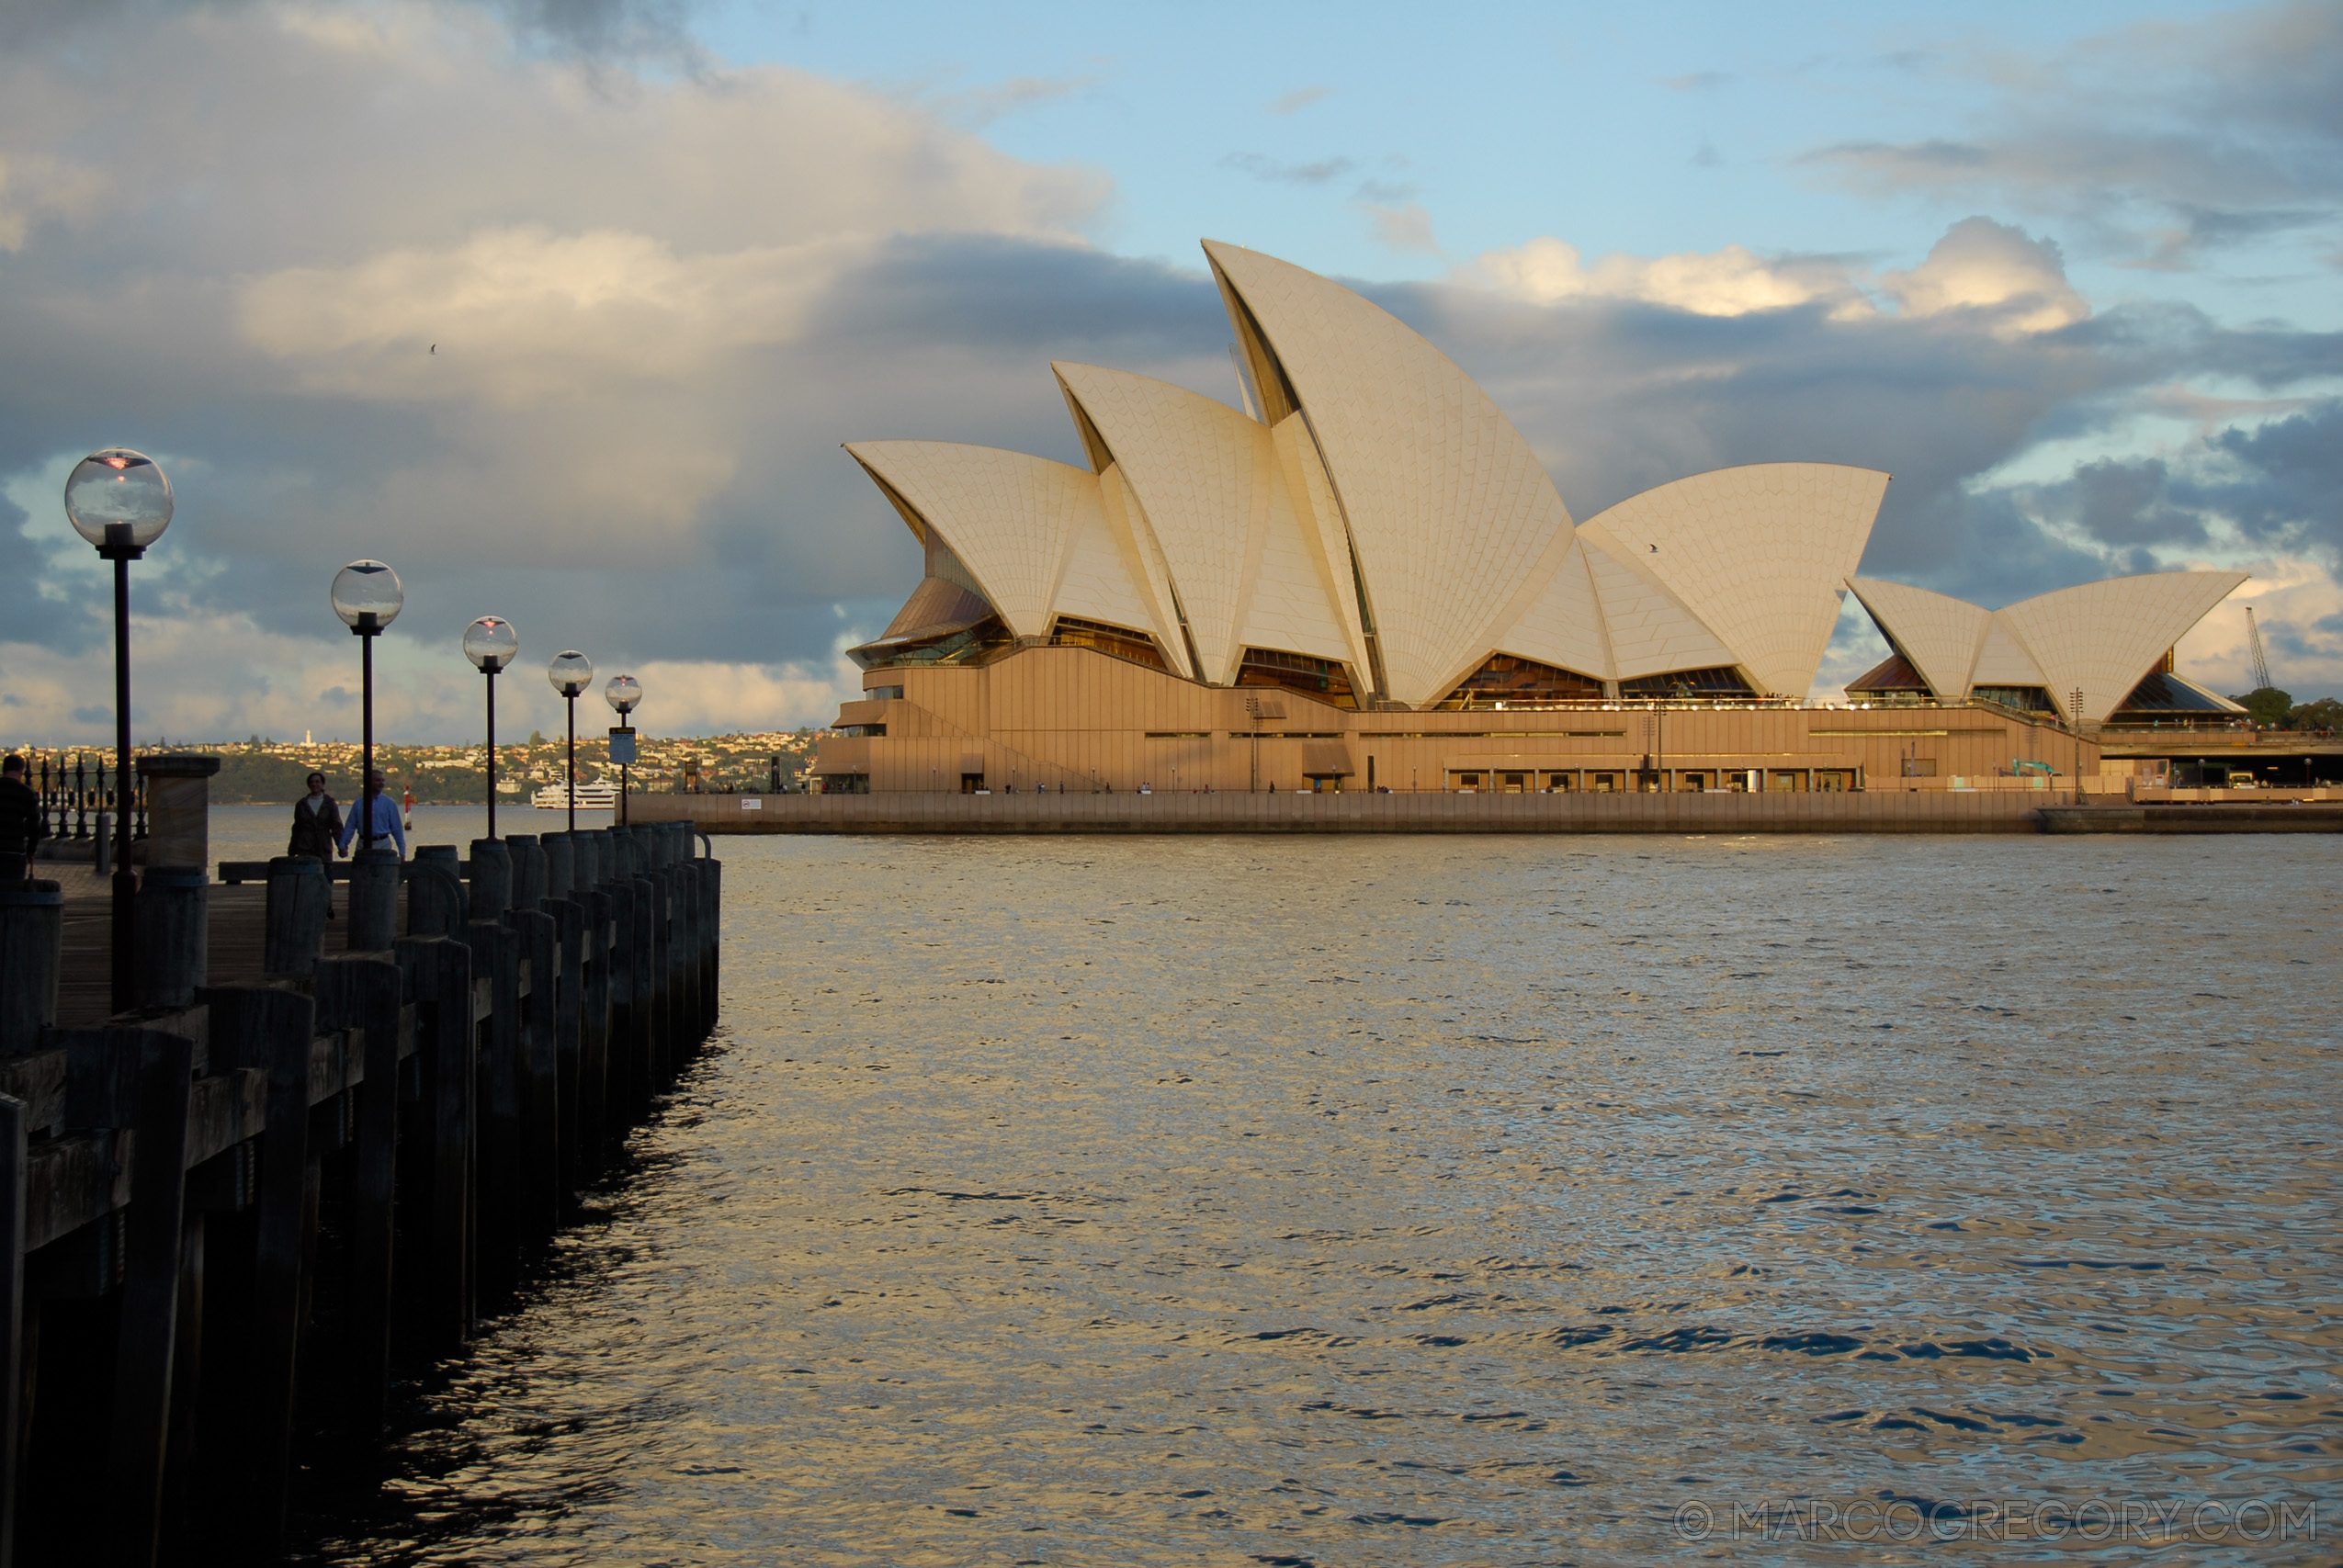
pixel 2288 486
pixel 2124 505
pixel 2175 136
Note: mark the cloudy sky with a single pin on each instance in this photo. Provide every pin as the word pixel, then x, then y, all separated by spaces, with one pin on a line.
pixel 2069 273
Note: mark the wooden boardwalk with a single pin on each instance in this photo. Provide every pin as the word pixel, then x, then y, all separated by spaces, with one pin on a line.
pixel 84 985
pixel 223 1223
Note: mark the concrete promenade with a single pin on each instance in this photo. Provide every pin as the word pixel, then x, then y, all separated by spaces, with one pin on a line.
pixel 1936 811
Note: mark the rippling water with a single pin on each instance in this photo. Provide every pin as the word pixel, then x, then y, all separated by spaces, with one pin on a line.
pixel 1434 1200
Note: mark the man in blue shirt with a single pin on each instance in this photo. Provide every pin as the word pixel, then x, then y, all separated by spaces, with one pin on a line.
pixel 382 811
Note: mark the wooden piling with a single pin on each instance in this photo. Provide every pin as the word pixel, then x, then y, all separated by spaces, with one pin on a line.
pixel 496 957
pixel 629 1091
pixel 655 960
pixel 13 1131
pixel 528 870
pixel 541 1187
pixel 174 927
pixel 561 864
pixel 491 889
pixel 374 900
pixel 293 928
pixel 363 993
pixel 436 901
pixel 273 1030
pixel 448 1044
pixel 147 1338
pixel 32 949
pixel 569 917
pixel 594 1097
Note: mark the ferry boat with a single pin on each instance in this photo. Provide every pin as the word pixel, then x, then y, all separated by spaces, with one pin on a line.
pixel 594 794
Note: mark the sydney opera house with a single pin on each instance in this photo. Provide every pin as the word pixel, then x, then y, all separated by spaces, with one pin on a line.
pixel 1366 579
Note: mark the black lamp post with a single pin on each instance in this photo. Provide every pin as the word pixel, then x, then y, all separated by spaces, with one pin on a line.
pixel 119 501
pixel 368 597
pixel 491 644
pixel 622 693
pixel 571 673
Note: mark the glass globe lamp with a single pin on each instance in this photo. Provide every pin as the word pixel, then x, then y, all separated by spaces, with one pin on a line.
pixel 367 596
pixel 118 500
pixel 571 672
pixel 490 643
pixel 622 693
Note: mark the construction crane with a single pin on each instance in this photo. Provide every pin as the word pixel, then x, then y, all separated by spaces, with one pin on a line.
pixel 2262 659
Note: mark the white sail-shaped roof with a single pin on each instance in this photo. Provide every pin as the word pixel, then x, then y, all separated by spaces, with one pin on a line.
pixel 1144 559
pixel 2104 637
pixel 1937 633
pixel 1448 508
pixel 1097 583
pixel 1206 478
pixel 1288 603
pixel 1757 554
pixel 2002 660
pixel 1651 631
pixel 1325 536
pixel 1010 518
pixel 1562 624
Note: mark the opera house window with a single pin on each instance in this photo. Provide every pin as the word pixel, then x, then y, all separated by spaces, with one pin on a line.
pixel 2025 699
pixel 1320 678
pixel 1506 680
pixel 1688 685
pixel 1119 641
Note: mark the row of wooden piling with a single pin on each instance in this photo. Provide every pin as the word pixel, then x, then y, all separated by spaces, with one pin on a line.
pixel 230 1216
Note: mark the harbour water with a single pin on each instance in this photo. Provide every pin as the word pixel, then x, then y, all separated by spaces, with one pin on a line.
pixel 1483 1200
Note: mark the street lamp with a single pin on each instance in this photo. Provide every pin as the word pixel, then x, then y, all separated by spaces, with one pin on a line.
pixel 622 693
pixel 571 674
pixel 119 501
pixel 491 643
pixel 368 597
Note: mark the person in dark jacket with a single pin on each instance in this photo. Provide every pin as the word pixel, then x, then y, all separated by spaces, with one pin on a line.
pixel 21 828
pixel 317 831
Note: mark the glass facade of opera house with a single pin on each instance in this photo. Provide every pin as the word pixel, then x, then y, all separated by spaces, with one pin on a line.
pixel 1365 578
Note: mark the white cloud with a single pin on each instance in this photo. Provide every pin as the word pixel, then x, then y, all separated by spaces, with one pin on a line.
pixel 2014 285
pixel 1730 282
pixel 1992 268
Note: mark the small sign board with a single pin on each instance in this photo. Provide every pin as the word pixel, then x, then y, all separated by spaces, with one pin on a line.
pixel 751 802
pixel 622 746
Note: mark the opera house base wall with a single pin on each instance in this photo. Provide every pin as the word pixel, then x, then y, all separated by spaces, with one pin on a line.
pixel 2224 818
pixel 1938 811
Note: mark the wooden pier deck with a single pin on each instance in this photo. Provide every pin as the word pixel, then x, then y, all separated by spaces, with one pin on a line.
pixel 224 1221
pixel 85 986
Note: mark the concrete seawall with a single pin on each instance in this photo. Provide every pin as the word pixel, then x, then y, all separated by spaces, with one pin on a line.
pixel 1877 812
pixel 2225 818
